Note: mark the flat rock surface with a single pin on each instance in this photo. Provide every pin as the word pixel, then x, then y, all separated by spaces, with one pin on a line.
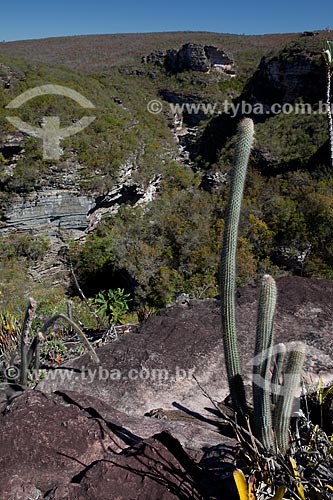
pixel 153 366
pixel 148 470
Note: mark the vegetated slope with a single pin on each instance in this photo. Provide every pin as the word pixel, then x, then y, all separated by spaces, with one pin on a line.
pixel 100 52
pixel 124 143
pixel 291 79
pixel 156 217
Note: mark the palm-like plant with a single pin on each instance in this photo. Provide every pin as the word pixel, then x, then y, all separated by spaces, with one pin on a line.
pixel 112 303
pixel 328 56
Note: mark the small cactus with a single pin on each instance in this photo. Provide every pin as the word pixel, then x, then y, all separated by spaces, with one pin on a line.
pixel 263 347
pixel 291 383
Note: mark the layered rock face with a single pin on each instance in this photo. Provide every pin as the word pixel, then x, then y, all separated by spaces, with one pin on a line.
pixel 57 207
pixel 190 56
pixel 49 210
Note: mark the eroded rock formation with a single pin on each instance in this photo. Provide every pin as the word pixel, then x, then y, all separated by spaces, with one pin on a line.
pixel 194 57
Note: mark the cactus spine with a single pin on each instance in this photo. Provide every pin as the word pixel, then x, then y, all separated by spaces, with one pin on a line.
pixel 261 376
pixel 291 382
pixel 228 263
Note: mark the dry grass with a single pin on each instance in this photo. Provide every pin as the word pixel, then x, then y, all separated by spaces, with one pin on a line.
pixel 100 52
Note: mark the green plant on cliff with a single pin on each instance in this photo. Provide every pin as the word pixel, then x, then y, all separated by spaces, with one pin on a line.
pixel 112 304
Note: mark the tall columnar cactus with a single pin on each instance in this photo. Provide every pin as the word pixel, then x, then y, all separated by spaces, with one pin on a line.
pixel 291 383
pixel 263 385
pixel 228 263
pixel 261 375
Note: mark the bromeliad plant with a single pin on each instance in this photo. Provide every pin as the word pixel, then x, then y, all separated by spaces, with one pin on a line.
pixel 247 490
pixel 29 345
pixel 112 304
pixel 9 334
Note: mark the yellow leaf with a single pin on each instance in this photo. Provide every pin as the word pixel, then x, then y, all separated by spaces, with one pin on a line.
pixel 320 383
pixel 327 391
pixel 297 476
pixel 241 484
pixel 279 494
pixel 251 488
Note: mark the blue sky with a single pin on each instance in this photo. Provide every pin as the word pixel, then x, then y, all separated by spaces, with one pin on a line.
pixel 24 19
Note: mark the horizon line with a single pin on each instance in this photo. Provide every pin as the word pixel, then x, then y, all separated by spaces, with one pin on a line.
pixel 160 32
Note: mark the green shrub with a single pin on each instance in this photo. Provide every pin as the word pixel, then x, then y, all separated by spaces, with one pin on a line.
pixel 112 304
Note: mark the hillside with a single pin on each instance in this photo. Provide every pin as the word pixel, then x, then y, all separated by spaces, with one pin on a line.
pixel 137 199
pixel 94 53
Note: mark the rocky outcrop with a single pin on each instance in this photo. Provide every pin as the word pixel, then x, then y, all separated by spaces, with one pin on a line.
pixel 8 77
pixel 212 180
pixel 289 74
pixel 69 446
pixel 66 210
pixel 55 203
pixel 124 192
pixel 185 123
pixel 56 206
pixel 294 74
pixel 193 57
pixel 49 210
pixel 188 117
pixel 11 145
pixel 190 57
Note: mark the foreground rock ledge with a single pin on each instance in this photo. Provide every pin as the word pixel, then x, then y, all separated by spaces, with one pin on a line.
pixel 67 446
pixel 90 438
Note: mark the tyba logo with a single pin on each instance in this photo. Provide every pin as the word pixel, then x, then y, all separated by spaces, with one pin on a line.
pixel 50 131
